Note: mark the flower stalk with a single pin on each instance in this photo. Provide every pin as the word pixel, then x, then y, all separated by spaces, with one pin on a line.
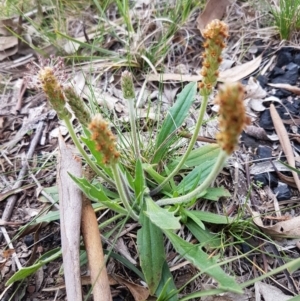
pixel 232 120
pixel 129 94
pixel 56 95
pixel 214 34
pixel 106 144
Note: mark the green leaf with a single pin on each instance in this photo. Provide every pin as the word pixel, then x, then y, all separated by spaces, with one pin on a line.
pixel 296 298
pixel 204 236
pixel 54 215
pixel 166 290
pixel 96 194
pixel 139 181
pixel 213 218
pixel 203 262
pixel 214 193
pixel 27 271
pixel 195 177
pixel 158 178
pixel 193 217
pixel 161 217
pixel 197 156
pixel 150 243
pixel 174 120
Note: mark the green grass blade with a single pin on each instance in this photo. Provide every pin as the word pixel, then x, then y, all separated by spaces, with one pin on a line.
pixel 27 271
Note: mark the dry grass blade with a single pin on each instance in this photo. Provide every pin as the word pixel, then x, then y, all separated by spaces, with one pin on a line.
pixel 284 141
pixel 70 215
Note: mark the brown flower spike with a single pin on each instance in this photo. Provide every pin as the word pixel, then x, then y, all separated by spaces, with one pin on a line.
pixel 54 91
pixel 215 33
pixel 232 115
pixel 105 140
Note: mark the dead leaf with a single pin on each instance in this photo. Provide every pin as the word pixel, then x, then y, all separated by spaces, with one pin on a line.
pixel 256 132
pixel 254 89
pixel 269 292
pixel 284 229
pixel 284 141
pixel 8 42
pixel 6 223
pixel 285 179
pixel 8 52
pixel 262 167
pixel 8 253
pixel 4 195
pixel 138 292
pixel 214 9
pixel 287 87
pixel 122 248
pixel 233 74
pixel 238 72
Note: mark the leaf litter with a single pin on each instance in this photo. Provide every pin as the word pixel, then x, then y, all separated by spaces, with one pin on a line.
pixel 16 132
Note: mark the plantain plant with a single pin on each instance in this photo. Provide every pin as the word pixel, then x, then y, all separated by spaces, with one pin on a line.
pixel 142 188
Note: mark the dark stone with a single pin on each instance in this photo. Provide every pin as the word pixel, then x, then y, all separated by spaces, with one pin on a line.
pixel 265 120
pixel 296 103
pixel 249 141
pixel 282 192
pixel 291 108
pixel 281 93
pixel 263 80
pixel 296 59
pixel 284 57
pixel 28 240
pixel 264 152
pixel 261 48
pixel 290 76
pixel 265 179
pixel 277 71
pixel 283 113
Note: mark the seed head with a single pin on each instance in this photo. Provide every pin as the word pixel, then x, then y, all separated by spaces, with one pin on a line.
pixel 104 139
pixel 215 33
pixel 232 115
pixel 127 85
pixel 49 75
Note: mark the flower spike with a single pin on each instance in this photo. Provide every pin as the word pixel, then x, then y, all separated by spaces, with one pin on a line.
pixel 105 140
pixel 215 33
pixel 232 115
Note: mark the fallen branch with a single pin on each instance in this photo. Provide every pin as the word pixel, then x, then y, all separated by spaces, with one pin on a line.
pixel 70 201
